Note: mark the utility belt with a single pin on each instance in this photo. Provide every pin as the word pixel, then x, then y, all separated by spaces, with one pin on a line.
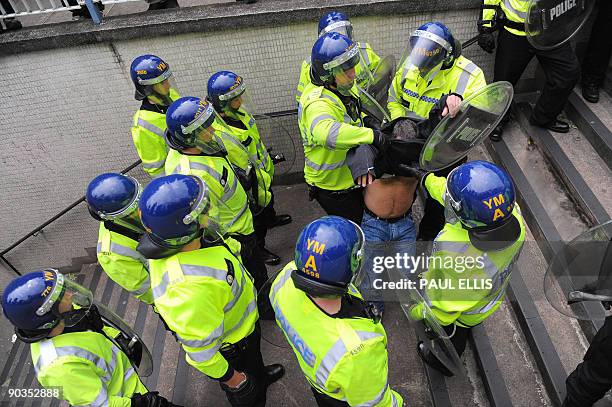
pixel 514 25
pixel 388 220
pixel 313 191
pixel 232 350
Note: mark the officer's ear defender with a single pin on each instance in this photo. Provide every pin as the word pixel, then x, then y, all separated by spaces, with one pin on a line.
pixel 316 288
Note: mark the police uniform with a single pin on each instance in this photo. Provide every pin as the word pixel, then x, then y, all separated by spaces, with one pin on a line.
pixel 411 93
pixel 369 60
pixel 116 252
pixel 343 356
pixel 460 306
pixel 514 53
pixel 87 369
pixel 148 128
pixel 331 124
pixel 208 299
pixel 235 214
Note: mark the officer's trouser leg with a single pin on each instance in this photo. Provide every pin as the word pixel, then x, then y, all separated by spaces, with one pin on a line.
pixel 433 214
pixel 561 69
pixel 459 338
pixel 349 205
pixel 323 400
pixel 245 356
pixel 261 221
pixel 592 378
pixel 249 251
pixel 596 60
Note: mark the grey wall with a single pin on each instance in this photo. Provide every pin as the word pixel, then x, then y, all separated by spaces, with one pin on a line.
pixel 66 112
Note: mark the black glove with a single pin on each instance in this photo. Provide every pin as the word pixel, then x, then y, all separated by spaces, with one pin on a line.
pixel 133 352
pixel 486 41
pixel 278 158
pixel 150 399
pixel 371 122
pixel 411 172
pixel 246 395
pixel 380 141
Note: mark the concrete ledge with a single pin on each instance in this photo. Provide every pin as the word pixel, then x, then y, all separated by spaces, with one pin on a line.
pixel 216 17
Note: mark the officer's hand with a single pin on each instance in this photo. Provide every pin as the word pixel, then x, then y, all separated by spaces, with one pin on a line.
pixel 380 141
pixel 150 399
pixel 452 105
pixel 371 122
pixel 410 172
pixel 486 41
pixel 365 180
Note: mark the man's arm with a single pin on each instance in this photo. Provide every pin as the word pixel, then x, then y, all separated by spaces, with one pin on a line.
pixel 304 80
pixel 328 131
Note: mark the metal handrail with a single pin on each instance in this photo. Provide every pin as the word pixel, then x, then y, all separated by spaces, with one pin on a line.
pixel 48 222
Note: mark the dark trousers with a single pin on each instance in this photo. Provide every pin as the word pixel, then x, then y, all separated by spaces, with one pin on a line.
pixel 459 338
pixel 348 204
pixel 433 219
pixel 592 378
pixel 560 67
pixel 323 400
pixel 263 220
pixel 245 356
pixel 598 52
pixel 251 258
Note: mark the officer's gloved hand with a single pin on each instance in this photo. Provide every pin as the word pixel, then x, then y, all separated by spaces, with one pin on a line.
pixel 380 141
pixel 372 122
pixel 486 41
pixel 150 399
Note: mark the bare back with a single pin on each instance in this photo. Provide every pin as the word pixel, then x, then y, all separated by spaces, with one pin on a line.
pixel 390 197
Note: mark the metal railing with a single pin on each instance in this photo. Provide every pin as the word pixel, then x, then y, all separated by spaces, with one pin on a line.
pixel 39 228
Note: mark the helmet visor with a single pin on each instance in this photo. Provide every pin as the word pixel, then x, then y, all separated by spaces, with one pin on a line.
pixel 426 53
pixel 163 92
pixel 67 299
pixel 357 257
pixel 128 209
pixel 201 132
pixel 343 27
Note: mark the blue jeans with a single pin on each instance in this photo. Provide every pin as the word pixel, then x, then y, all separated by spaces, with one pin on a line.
pixel 377 231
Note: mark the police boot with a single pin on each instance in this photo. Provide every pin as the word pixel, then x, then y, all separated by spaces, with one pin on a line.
pixel 280 220
pixel 496 134
pixel 590 92
pixel 268 257
pixel 429 358
pixel 273 373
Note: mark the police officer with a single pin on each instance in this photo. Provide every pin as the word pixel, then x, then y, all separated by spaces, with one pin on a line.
pixel 112 199
pixel 156 88
pixel 483 236
pixel 228 94
pixel 514 53
pixel 203 292
pixel 336 21
pixel 73 350
pixel 197 148
pixel 339 342
pixel 597 58
pixel 331 122
pixel 433 75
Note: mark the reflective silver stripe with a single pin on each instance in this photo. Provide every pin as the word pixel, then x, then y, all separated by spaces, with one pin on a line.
pixel 203 271
pixel 248 311
pixel 154 165
pixel 332 135
pixel 335 354
pixel 122 250
pixel 319 119
pixel 378 397
pixel 347 119
pixel 510 7
pixel 49 353
pixel 392 94
pixel 364 54
pixel 200 343
pixel 151 127
pixel 238 215
pixel 395 402
pixel 160 289
pixel 128 373
pixel 233 140
pixel 237 290
pixel 100 401
pixel 204 355
pixel 323 167
pixel 457 247
pixel 99 247
pixel 144 287
pixel 488 306
pixel 228 190
pixel 464 78
pixel 329 97
pixel 280 283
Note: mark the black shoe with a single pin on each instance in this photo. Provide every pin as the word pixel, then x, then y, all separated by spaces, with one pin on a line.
pixel 557 126
pixel 11 25
pixel 274 372
pixel 280 220
pixel 496 134
pixel 590 92
pixel 429 358
pixel 268 257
